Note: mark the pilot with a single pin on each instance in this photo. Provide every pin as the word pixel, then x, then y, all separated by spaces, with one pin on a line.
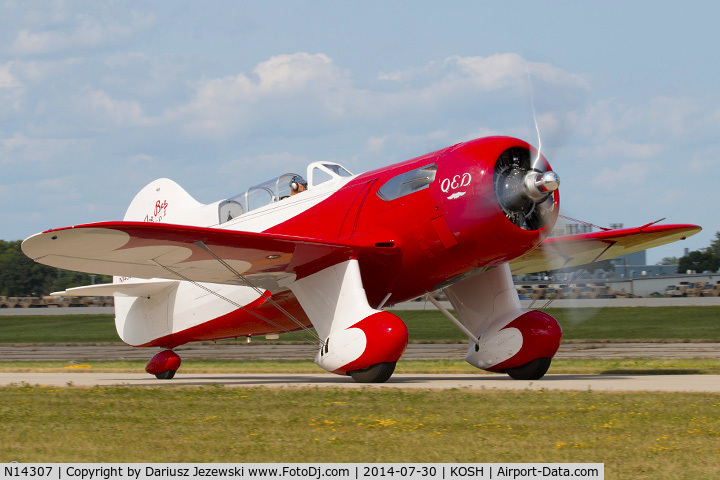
pixel 297 185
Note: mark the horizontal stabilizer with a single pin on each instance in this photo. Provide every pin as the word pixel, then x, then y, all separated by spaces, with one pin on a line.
pixel 575 250
pixel 129 289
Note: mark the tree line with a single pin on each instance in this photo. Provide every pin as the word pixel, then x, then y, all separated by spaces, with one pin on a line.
pixel 703 260
pixel 22 277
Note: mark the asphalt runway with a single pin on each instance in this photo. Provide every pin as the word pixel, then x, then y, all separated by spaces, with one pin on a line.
pixel 481 381
pixel 258 351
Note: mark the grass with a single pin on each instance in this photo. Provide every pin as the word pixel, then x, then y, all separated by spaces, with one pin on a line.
pixel 629 366
pixel 58 329
pixel 639 323
pixel 610 323
pixel 636 435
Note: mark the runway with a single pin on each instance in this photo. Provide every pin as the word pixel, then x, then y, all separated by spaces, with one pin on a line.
pixel 481 381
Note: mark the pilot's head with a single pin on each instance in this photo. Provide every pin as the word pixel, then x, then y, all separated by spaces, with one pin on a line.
pixel 297 184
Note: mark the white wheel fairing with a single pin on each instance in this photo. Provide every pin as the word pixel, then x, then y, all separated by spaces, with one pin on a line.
pixel 486 304
pixel 495 349
pixel 343 347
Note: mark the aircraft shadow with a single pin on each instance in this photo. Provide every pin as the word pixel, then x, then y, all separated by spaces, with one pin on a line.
pixel 301 379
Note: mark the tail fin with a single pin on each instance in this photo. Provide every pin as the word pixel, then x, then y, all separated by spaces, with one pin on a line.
pixel 165 201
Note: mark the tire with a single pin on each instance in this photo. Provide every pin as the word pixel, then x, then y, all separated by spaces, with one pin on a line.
pixel 166 375
pixel 378 373
pixel 533 370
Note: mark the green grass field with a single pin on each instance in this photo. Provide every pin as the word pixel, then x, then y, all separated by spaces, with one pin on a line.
pixel 638 435
pixel 606 324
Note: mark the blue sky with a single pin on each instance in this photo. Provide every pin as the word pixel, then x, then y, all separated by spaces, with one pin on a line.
pixel 97 99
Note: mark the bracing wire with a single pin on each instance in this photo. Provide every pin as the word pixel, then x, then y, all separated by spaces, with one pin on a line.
pixel 260 291
pixel 234 303
pixel 572 280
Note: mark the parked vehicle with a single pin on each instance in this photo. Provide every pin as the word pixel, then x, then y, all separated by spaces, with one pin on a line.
pixel 711 290
pixel 54 302
pixel 676 290
pixel 685 289
pixel 531 292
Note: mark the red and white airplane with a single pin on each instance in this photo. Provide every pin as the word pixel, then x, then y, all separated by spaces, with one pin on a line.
pixel 333 251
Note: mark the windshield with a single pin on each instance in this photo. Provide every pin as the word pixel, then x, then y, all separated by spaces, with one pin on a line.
pixel 278 189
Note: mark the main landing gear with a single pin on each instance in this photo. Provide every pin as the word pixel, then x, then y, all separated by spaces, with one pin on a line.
pixel 378 373
pixel 533 370
pixel 164 365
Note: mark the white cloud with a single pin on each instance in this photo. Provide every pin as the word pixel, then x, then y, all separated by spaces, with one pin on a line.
pixel 298 90
pixel 510 69
pixel 37 72
pixel 660 120
pixel 22 150
pixel 7 80
pixel 675 118
pixel 704 162
pixel 390 143
pixel 283 161
pixel 11 91
pixel 288 74
pixel 125 113
pixel 486 73
pixel 304 91
pixel 85 32
pixel 124 59
pixel 614 149
pixel 627 175
pixel 141 158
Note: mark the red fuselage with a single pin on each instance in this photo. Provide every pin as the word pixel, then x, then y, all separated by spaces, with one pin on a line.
pixel 423 238
pixel 431 236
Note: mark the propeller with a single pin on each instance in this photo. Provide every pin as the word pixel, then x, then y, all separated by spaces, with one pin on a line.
pixel 524 188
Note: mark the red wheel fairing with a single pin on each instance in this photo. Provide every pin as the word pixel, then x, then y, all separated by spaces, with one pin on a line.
pixel 386 339
pixel 541 335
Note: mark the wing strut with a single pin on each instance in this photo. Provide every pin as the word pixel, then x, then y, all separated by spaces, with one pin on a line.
pixel 452 318
pixel 260 291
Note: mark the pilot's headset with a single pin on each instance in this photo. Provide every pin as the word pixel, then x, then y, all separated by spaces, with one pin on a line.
pixel 296 181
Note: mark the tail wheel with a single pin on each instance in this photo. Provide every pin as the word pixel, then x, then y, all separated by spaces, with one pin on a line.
pixel 533 370
pixel 166 375
pixel 163 365
pixel 378 373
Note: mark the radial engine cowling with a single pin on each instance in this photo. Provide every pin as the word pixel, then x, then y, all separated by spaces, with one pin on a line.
pixel 524 186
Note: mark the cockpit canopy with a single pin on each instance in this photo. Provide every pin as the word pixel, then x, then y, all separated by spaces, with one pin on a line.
pixel 278 189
